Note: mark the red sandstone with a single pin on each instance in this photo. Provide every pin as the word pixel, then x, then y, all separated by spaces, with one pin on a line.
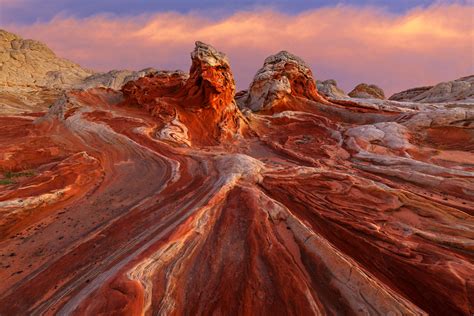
pixel 166 198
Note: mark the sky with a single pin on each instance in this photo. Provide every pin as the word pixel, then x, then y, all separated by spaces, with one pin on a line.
pixel 394 44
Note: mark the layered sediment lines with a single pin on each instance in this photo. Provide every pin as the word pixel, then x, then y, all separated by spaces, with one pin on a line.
pixel 171 197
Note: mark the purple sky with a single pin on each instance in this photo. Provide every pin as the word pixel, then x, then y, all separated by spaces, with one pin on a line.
pixel 29 11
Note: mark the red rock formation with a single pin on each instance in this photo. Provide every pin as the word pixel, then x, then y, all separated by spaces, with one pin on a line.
pixel 203 101
pixel 111 204
pixel 283 77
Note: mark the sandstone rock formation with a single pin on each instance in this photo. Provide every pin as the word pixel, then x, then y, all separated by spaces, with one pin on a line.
pixel 32 77
pixel 163 198
pixel 29 63
pixel 282 75
pixel 203 100
pixel 461 89
pixel 366 91
pixel 410 94
pixel 114 79
pixel 329 89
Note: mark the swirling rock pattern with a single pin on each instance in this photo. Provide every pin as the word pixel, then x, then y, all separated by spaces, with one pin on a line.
pixel 164 198
pixel 201 105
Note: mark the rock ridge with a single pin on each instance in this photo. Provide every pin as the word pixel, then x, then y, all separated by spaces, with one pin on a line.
pixel 29 63
pixel 461 89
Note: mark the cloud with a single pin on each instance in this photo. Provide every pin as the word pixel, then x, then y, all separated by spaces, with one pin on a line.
pixel 348 43
pixel 27 11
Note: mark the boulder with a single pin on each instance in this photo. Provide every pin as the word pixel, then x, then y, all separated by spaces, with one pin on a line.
pixel 367 91
pixel 329 88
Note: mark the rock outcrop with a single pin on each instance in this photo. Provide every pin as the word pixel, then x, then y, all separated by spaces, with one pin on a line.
pixel 32 77
pixel 329 89
pixel 204 100
pixel 282 75
pixel 367 91
pixel 461 89
pixel 156 92
pixel 211 83
pixel 410 94
pixel 29 63
pixel 114 79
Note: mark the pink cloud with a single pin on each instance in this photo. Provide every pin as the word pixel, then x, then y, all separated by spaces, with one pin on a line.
pixel 349 44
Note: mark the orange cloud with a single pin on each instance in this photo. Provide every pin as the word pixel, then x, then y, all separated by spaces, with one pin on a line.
pixel 349 44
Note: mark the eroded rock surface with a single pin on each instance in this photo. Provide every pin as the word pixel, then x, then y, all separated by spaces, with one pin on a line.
pixel 461 89
pixel 29 63
pixel 329 89
pixel 163 198
pixel 367 91
pixel 282 76
pixel 114 79
pixel 32 77
pixel 202 101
